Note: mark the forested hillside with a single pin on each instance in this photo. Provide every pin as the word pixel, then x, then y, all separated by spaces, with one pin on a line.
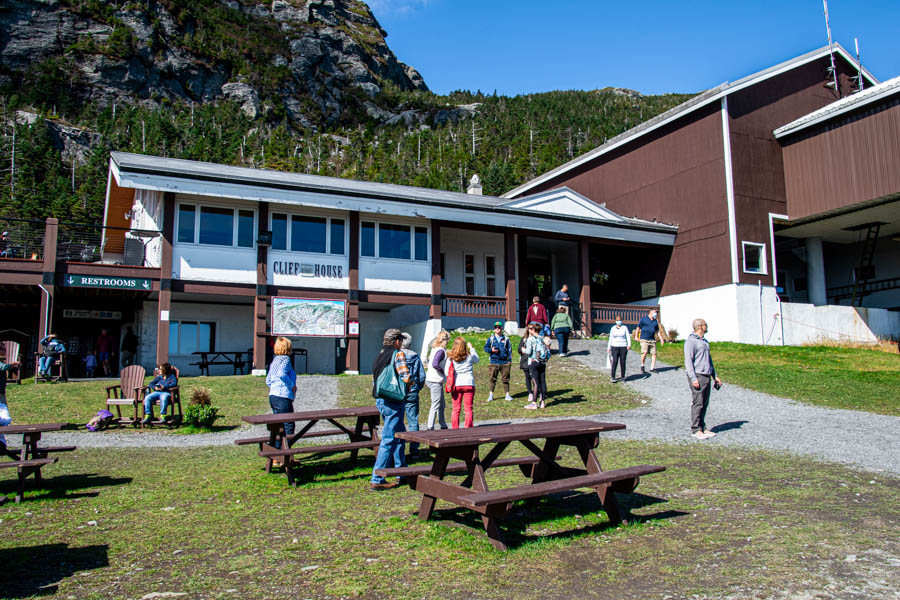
pixel 373 121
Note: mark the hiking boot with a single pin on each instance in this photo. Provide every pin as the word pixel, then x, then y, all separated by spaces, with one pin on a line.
pixel 387 485
pixel 165 418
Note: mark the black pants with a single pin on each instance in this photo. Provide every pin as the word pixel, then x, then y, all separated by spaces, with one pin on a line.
pixel 618 358
pixel 280 406
pixel 527 374
pixel 538 372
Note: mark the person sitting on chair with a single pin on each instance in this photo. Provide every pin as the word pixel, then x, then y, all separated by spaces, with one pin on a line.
pixel 51 348
pixel 164 381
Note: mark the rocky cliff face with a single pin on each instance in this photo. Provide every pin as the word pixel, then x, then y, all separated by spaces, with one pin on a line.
pixel 307 60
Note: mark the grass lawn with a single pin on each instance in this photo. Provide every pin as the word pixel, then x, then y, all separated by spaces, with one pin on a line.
pixel 125 523
pixel 852 378
pixel 573 390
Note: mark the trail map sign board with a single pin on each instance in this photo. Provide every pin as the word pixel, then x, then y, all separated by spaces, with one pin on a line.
pixel 308 317
pixel 104 281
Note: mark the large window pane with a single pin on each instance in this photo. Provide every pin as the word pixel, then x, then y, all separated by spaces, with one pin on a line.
pixel 186 214
pixel 394 241
pixel 216 226
pixel 337 236
pixel 367 240
pixel 421 243
pixel 173 337
pixel 205 333
pixel 307 234
pixel 188 342
pixel 279 232
pixel 245 228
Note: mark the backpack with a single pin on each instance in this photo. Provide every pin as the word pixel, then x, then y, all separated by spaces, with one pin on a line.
pixel 100 421
pixel 544 353
pixel 389 386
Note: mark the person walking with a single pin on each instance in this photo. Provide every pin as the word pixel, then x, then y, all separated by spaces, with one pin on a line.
pixel 464 357
pixel 390 450
pixel 282 381
pixel 618 348
pixel 537 313
pixel 538 351
pixel 523 362
pixel 646 332
pixel 129 347
pixel 416 383
pixel 434 379
pixel 562 327
pixel 500 352
pixel 700 370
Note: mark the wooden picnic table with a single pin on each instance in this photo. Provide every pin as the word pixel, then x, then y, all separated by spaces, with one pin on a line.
pixel 547 475
pixel 221 357
pixel 31 457
pixel 363 434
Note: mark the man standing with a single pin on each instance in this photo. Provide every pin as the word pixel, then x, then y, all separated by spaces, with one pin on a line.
pixel 700 370
pixel 105 349
pixel 129 347
pixel 649 330
pixel 498 348
pixel 390 451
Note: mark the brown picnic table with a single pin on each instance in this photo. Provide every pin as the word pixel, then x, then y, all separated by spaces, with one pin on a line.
pixel 31 457
pixel 362 434
pixel 546 474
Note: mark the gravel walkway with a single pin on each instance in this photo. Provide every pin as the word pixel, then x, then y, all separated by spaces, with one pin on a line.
pixel 741 417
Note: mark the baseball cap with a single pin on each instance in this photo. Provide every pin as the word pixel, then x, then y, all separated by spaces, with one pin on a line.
pixel 498 324
pixel 392 335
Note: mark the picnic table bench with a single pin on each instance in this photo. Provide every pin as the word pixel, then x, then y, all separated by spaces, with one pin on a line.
pixel 547 475
pixel 221 357
pixel 364 434
pixel 31 457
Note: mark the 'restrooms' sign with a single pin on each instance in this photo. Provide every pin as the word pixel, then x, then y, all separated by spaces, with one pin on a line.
pixel 106 282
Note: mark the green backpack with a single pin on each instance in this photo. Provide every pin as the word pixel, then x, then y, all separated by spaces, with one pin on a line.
pixel 389 386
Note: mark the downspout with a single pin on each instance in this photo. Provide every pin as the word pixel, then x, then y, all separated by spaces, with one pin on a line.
pixel 762 325
pixel 47 312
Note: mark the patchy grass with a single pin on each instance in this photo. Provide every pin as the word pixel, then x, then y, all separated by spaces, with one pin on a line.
pixel 721 521
pixel 836 377
pixel 573 390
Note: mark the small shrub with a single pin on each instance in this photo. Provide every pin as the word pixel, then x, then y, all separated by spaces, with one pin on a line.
pixel 201 396
pixel 200 412
pixel 673 335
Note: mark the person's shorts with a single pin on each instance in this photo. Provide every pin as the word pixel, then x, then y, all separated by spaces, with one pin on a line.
pixel 648 346
pixel 104 355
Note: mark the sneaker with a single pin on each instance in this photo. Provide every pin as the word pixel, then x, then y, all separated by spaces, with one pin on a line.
pixel 165 418
pixel 699 435
pixel 541 405
pixel 612 379
pixel 708 433
pixel 562 354
pixel 643 370
pixel 508 397
pixel 147 420
pixel 530 398
pixel 387 485
pixel 491 397
pixel 531 406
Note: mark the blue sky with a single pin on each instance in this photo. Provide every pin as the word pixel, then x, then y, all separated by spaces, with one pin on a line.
pixel 522 46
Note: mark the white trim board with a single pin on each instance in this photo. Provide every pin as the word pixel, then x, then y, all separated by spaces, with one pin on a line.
pixel 729 191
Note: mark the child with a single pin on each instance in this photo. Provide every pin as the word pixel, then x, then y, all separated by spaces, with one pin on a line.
pixel 164 381
pixel 282 382
pixel 90 363
pixel 51 348
pixel 537 349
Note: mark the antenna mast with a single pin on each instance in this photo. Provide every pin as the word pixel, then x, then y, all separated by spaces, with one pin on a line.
pixel 859 77
pixel 831 70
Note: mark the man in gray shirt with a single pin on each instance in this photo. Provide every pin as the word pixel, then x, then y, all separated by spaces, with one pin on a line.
pixel 699 366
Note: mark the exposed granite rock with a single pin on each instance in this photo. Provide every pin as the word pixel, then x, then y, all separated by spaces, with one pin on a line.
pixel 245 95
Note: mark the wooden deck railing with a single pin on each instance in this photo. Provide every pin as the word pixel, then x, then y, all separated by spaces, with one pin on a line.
pixel 630 313
pixel 474 306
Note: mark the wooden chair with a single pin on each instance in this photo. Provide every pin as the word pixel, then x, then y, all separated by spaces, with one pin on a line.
pixel 59 366
pixel 128 392
pixel 11 352
pixel 178 417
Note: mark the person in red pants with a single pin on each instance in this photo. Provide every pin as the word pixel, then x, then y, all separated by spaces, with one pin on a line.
pixel 464 357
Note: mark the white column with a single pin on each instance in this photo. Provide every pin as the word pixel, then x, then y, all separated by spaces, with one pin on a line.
pixel 815 271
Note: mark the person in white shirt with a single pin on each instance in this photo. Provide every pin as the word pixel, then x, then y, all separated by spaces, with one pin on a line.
pixel 618 348
pixel 435 373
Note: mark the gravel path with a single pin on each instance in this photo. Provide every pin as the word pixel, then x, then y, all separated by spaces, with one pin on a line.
pixel 741 417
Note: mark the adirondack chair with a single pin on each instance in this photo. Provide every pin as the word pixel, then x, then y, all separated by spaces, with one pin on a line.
pixel 11 351
pixel 58 370
pixel 128 392
pixel 175 403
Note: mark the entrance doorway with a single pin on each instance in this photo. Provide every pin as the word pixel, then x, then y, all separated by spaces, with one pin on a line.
pixel 540 278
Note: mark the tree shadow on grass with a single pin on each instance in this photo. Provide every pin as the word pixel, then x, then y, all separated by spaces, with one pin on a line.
pixel 530 513
pixel 63 486
pixel 34 571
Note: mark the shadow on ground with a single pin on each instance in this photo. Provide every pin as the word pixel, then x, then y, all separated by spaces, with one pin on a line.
pixel 34 571
pixel 62 486
pixel 728 426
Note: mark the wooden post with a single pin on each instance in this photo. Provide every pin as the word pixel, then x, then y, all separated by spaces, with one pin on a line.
pixel 509 270
pixel 51 235
pixel 260 312
pixel 165 279
pixel 584 249
pixel 352 360
pixel 436 311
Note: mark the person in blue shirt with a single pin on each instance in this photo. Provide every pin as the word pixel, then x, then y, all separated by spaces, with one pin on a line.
pixel 160 388
pixel 51 348
pixel 498 348
pixel 648 327
pixel 282 382
pixel 416 383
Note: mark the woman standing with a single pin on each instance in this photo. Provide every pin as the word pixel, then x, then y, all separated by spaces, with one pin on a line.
pixel 464 358
pixel 523 362
pixel 538 353
pixel 282 382
pixel 618 348
pixel 434 379
pixel 562 328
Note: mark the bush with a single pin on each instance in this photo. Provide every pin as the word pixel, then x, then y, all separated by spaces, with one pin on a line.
pixel 200 412
pixel 673 335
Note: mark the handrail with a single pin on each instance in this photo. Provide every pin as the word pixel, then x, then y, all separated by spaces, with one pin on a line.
pixel 631 314
pixel 473 306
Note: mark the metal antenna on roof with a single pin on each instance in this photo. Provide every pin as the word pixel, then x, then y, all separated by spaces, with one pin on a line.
pixel 832 71
pixel 859 77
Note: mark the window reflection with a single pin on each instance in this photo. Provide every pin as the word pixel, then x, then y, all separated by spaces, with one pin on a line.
pixel 307 234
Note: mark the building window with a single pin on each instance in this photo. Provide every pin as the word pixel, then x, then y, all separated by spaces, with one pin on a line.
pixel 279 231
pixel 302 233
pixel 245 229
pixel 186 337
pixel 469 262
pixel 392 240
pixel 421 243
pixel 490 275
pixel 308 234
pixel 754 258
pixel 367 239
pixel 186 219
pixel 216 226
pixel 337 236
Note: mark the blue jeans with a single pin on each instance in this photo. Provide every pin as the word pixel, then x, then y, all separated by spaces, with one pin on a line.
pixel 411 406
pixel 45 363
pixel 280 406
pixel 163 398
pixel 390 451
pixel 562 340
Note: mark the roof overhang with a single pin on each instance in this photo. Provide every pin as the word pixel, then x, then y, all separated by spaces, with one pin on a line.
pixel 223 181
pixel 843 226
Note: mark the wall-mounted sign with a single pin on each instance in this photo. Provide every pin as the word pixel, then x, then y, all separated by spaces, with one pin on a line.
pixel 308 317
pixel 648 290
pixel 103 281
pixel 353 327
pixel 69 313
pixel 286 267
